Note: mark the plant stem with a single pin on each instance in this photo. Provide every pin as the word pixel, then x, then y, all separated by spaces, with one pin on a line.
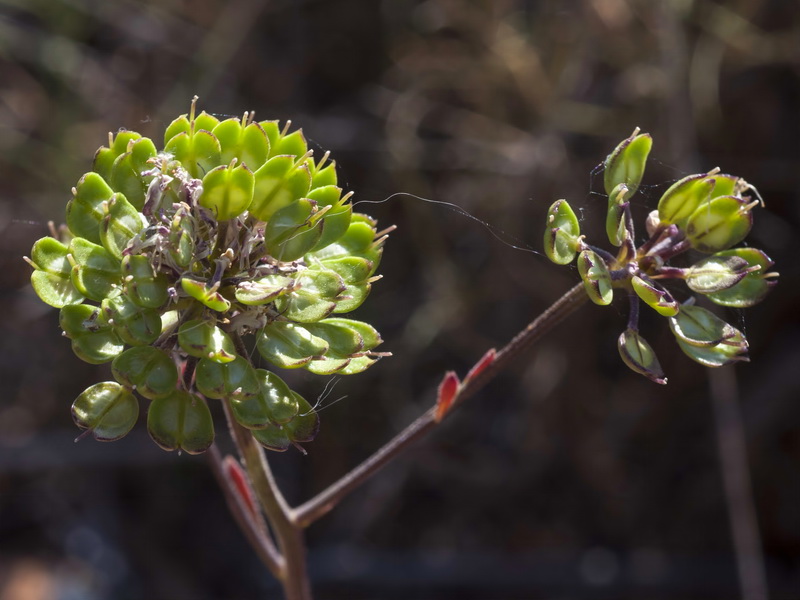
pixel 289 565
pixel 737 484
pixel 255 531
pixel 292 573
pixel 323 502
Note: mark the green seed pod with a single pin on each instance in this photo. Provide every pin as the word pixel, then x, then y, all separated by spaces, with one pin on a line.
pixel 323 174
pixel 120 225
pixel 313 298
pixel 342 342
pixel 52 279
pixel 278 183
pixel 596 278
pixel 96 273
pixel 85 210
pixel 273 437
pixel 93 339
pixel 293 230
pixel 684 197
pixel 280 400
pixel 370 337
pixel 235 380
pixel 209 296
pixel 719 224
pixel 697 326
pixel 198 152
pixel 639 356
pixel 752 288
pixel 257 292
pixel 716 273
pixel 337 218
pixel 293 144
pixel 148 370
pixel 227 190
pixel 615 217
pixel 126 172
pixel 104 157
pixel 133 324
pixel 359 241
pixel 304 427
pixel 246 143
pixel 203 339
pixel 352 269
pixel 107 409
pixel 142 285
pixel 181 241
pixel 731 350
pixel 181 421
pixel 655 297
pixel 351 298
pixel 289 345
pixel 562 233
pixel 626 164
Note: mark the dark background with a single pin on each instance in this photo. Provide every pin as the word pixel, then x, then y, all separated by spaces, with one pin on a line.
pixel 569 476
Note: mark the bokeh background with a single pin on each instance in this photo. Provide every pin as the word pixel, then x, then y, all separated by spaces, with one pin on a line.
pixel 569 476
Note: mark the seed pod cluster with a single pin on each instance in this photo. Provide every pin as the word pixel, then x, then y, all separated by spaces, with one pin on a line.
pixel 168 258
pixel 707 212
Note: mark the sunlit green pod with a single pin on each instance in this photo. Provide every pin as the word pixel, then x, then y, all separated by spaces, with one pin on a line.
pixel 562 233
pixel 352 269
pixel 198 152
pixel 293 144
pixel 181 421
pixel 289 345
pixel 596 278
pixel 754 286
pixel 324 173
pixel 314 297
pixel 93 339
pixel 105 156
pixel 719 224
pixel 305 425
pixel 86 209
pixel 281 402
pixel 656 297
pixel 150 371
pixel 208 296
pixel 615 216
pixel 107 409
pixel 52 277
pixel 256 292
pixel 247 143
pixel 293 230
pixel 358 241
pixel 203 339
pixel 716 273
pixel 120 225
pixel 126 172
pixel 134 324
pixel 729 351
pixel 278 183
pixel 142 284
pixel 639 356
pixel 626 164
pixel 227 190
pixel 96 272
pixel 684 197
pixel 273 437
pixel 370 338
pixel 235 380
pixel 698 326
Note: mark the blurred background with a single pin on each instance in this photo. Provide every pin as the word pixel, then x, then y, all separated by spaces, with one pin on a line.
pixel 567 477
